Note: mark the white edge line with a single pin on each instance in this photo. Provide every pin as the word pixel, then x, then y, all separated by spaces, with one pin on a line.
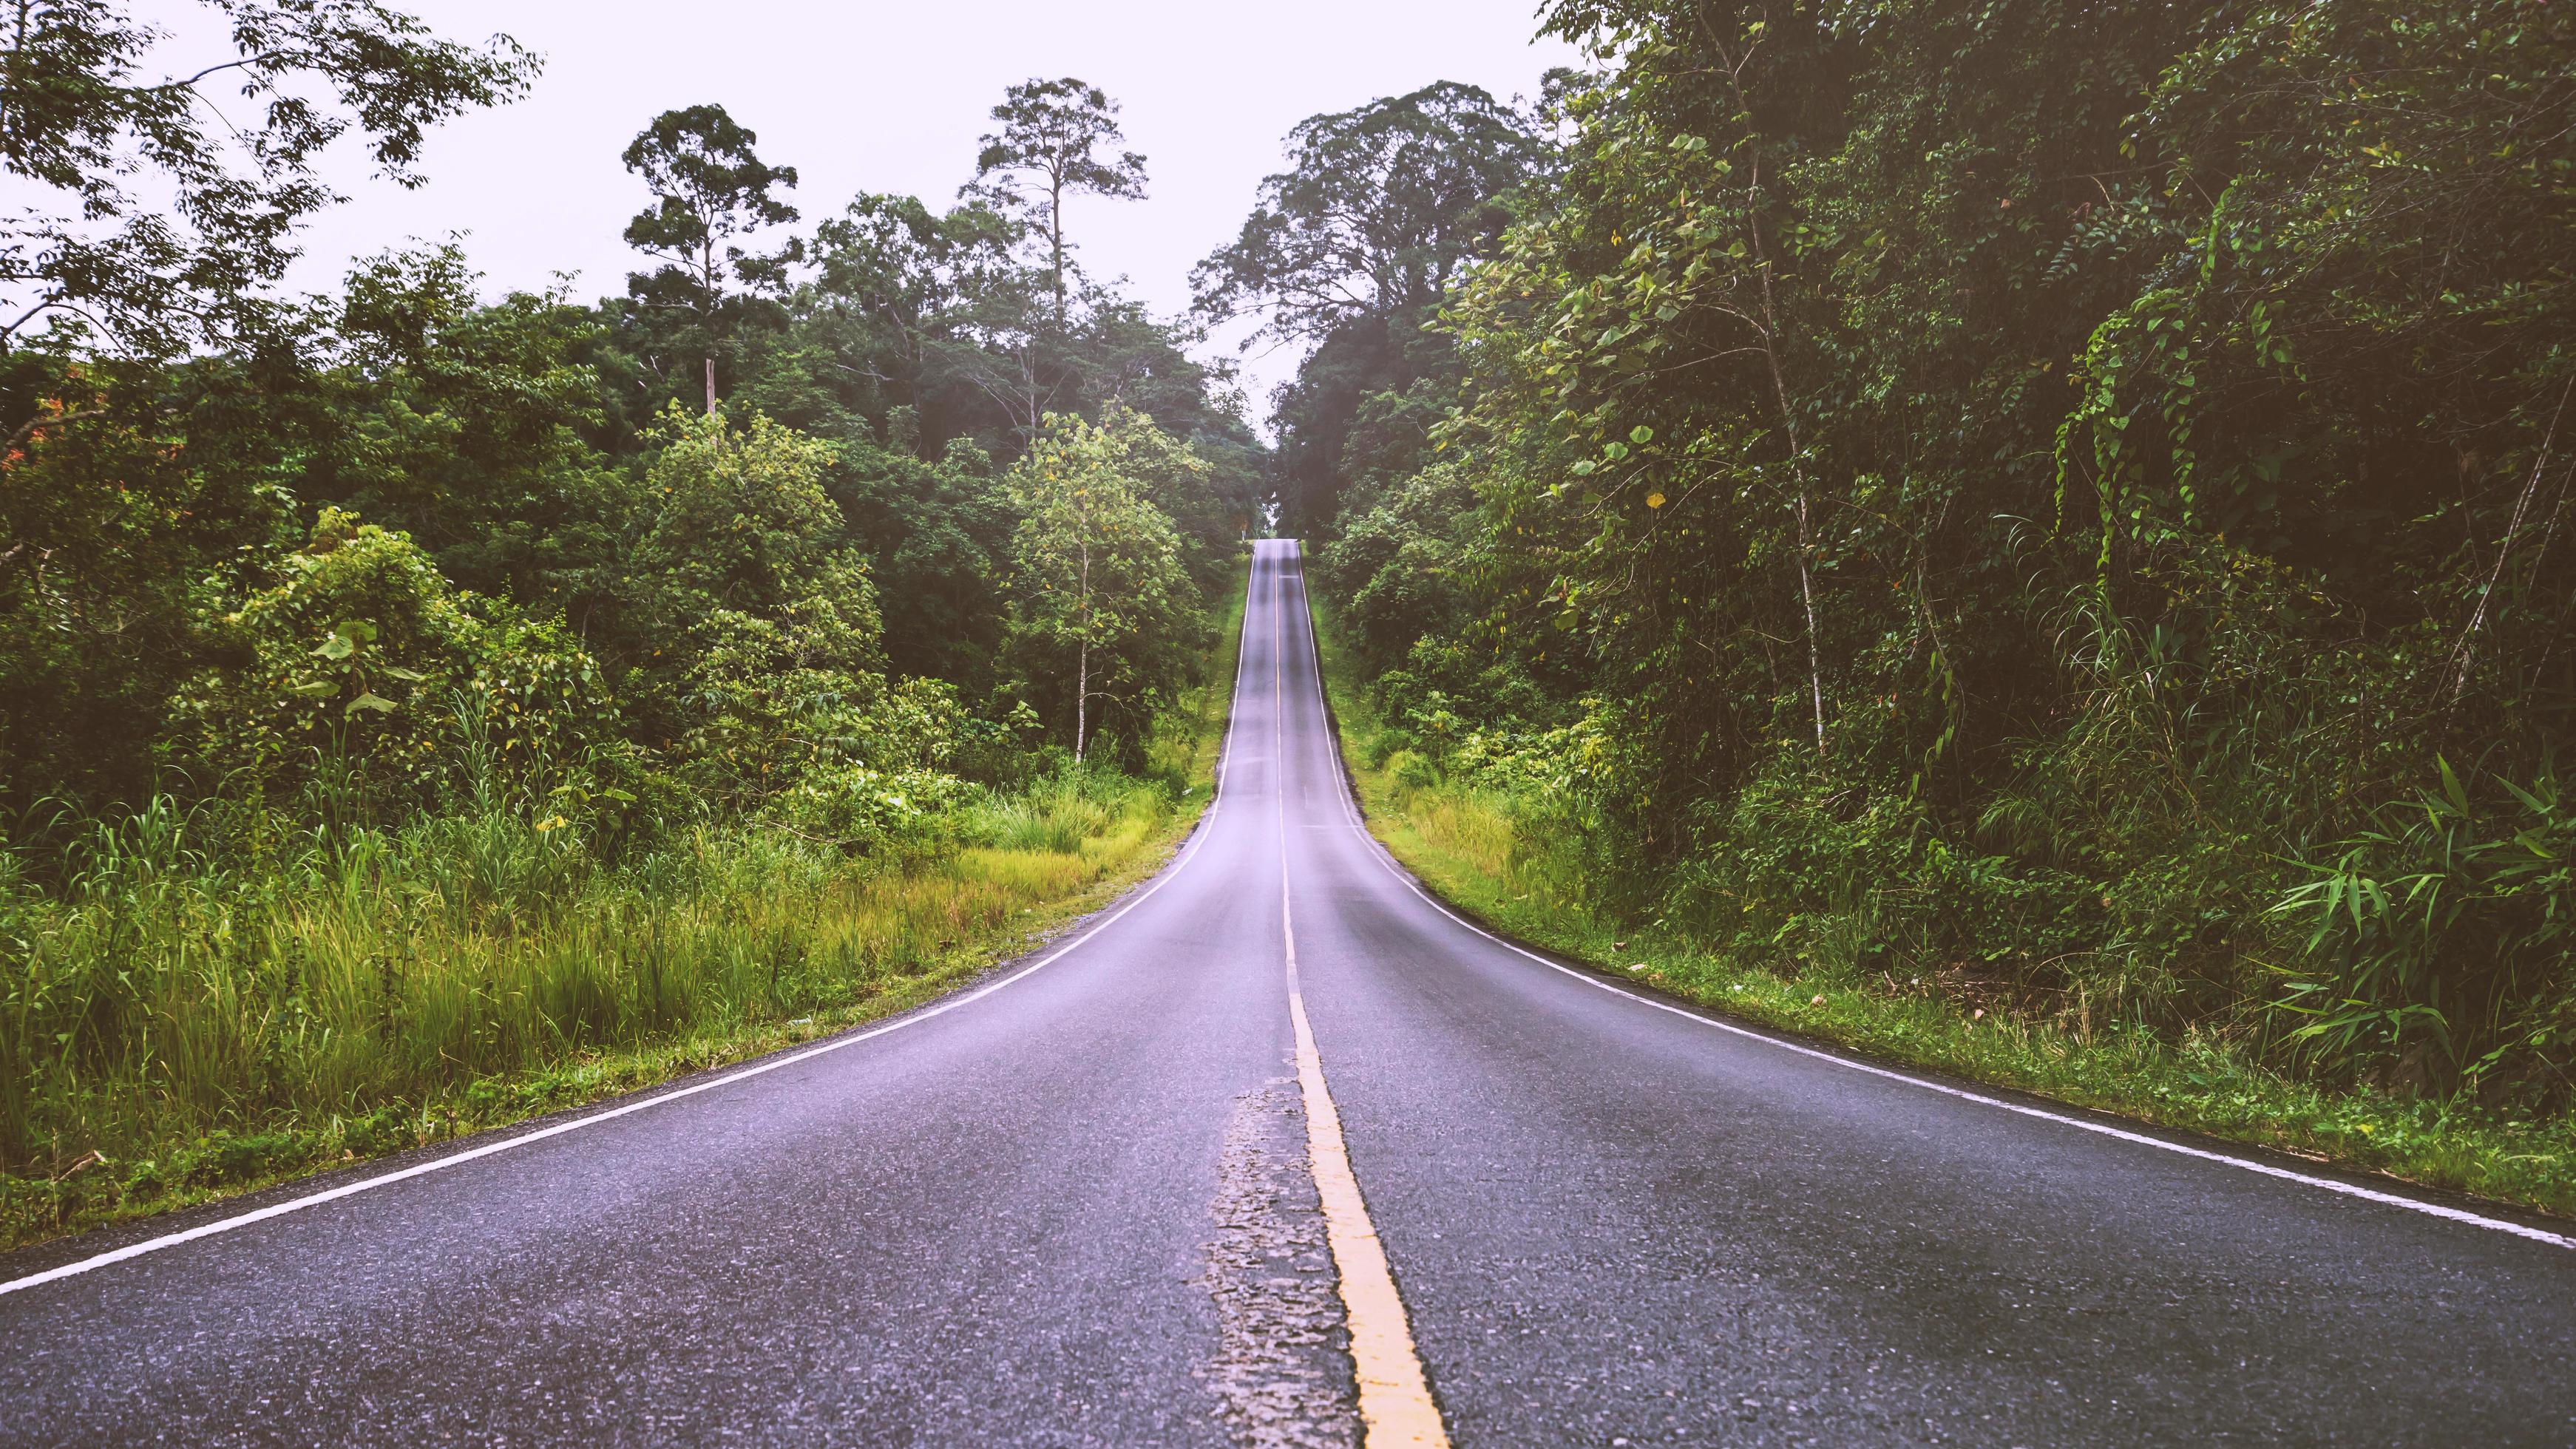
pixel 1377 851
pixel 1199 835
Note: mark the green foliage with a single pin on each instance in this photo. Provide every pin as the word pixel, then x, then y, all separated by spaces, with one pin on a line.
pixel 2438 943
pixel 358 662
pixel 768 689
pixel 1051 136
pixel 1515 859
pixel 1353 249
pixel 2017 496
pixel 469 427
pixel 1397 565
pixel 1380 210
pixel 112 526
pixel 1105 621
pixel 407 698
pixel 741 523
pixel 937 536
pixel 88 255
pixel 205 1021
pixel 708 190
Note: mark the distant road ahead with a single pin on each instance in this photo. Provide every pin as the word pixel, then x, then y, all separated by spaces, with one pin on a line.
pixel 1075 1208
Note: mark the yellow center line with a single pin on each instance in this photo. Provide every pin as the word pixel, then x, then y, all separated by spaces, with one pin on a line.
pixel 1395 1400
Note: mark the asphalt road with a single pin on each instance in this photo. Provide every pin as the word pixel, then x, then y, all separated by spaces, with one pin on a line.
pixel 1074 1208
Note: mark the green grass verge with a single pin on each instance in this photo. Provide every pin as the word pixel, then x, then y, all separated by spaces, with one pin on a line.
pixel 310 1024
pixel 1463 842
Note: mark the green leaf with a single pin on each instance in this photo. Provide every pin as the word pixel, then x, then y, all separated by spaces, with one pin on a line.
pixel 370 700
pixel 410 676
pixel 316 689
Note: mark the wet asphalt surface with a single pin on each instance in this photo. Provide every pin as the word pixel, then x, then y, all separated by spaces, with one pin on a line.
pixel 1075 1211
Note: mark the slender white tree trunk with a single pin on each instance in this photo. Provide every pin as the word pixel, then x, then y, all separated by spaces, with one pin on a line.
pixel 1082 656
pixel 2464 655
pixel 1733 62
pixel 707 281
pixel 1055 237
pixel 1797 463
pixel 1807 596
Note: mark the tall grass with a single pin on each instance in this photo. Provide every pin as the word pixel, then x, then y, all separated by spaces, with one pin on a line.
pixel 171 1019
pixel 1512 858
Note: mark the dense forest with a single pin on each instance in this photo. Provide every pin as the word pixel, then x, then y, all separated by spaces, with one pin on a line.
pixel 2060 509
pixel 2065 503
pixel 401 687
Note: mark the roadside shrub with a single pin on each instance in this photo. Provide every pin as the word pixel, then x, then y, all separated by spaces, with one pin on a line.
pixel 2441 942
pixel 358 654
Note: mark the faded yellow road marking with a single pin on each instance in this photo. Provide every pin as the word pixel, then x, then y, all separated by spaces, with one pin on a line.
pixel 1395 1400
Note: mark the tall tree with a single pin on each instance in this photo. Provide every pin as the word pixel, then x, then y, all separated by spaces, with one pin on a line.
pixel 1053 137
pixel 1102 590
pixel 904 279
pixel 152 218
pixel 1351 249
pixel 708 190
pixel 1378 210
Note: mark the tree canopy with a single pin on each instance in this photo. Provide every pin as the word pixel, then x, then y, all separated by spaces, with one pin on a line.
pixel 1352 249
pixel 709 189
pixel 463 475
pixel 1379 210
pixel 1104 613
pixel 153 226
pixel 1050 146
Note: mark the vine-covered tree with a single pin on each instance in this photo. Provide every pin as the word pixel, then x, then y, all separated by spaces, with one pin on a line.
pixel 2135 438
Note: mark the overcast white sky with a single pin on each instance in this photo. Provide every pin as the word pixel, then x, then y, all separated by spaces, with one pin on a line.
pixel 891 97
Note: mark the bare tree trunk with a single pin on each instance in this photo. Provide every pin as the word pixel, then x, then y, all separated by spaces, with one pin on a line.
pixel 1082 654
pixel 2464 654
pixel 707 312
pixel 1789 425
pixel 1055 235
pixel 1733 62
pixel 1807 597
